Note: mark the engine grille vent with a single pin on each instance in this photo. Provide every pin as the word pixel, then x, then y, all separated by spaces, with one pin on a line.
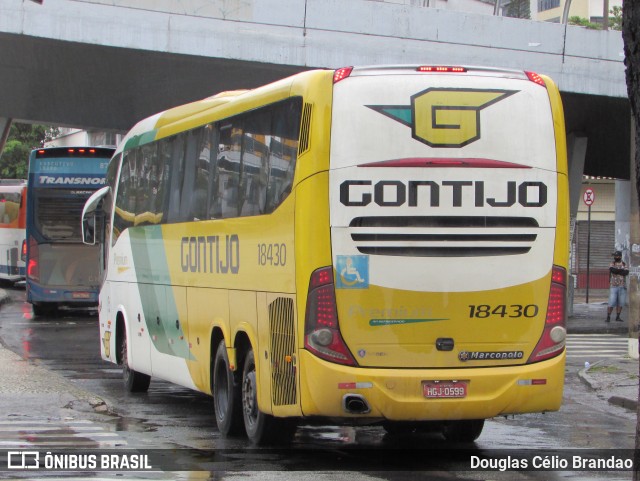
pixel 444 236
pixel 283 371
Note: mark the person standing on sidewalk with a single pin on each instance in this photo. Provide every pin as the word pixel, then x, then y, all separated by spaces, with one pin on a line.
pixel 618 272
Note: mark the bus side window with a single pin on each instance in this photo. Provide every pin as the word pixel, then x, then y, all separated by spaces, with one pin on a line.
pixel 146 180
pixel 112 179
pixel 204 162
pixel 176 178
pixel 124 216
pixel 255 162
pixel 211 142
pixel 189 177
pixel 226 201
pixel 283 152
pixel 160 183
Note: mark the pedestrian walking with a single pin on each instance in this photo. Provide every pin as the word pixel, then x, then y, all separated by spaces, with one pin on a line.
pixel 618 272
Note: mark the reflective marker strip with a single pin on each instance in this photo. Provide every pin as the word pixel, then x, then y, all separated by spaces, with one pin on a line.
pixel 355 385
pixel 531 382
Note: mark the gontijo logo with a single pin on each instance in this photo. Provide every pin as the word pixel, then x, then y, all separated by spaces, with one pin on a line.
pixel 444 117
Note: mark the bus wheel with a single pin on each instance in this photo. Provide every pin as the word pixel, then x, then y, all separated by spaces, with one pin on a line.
pixel 465 431
pixel 45 309
pixel 406 428
pixel 226 394
pixel 261 428
pixel 133 381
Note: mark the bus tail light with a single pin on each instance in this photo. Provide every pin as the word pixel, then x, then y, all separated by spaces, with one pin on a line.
pixel 536 79
pixel 441 69
pixel 341 74
pixel 33 269
pixel 321 331
pixel 553 337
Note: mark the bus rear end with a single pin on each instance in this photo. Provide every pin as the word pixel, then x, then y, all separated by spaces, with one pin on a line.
pixel 61 270
pixel 449 237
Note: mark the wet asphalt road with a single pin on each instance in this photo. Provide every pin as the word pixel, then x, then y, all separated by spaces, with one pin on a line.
pixel 172 417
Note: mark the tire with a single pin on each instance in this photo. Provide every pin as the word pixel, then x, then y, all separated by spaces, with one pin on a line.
pixel 406 428
pixel 45 309
pixel 465 431
pixel 261 428
pixel 39 310
pixel 134 381
pixel 226 394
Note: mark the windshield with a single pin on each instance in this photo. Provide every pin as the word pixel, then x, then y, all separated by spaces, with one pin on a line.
pixel 57 213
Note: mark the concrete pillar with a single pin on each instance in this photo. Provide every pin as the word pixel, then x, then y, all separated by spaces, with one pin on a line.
pixel 634 256
pixel 623 212
pixel 576 154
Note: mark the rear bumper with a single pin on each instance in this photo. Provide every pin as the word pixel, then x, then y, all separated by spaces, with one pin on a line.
pixel 396 394
pixel 64 296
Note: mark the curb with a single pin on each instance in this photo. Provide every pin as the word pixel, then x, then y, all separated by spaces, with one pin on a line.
pixel 630 404
pixel 624 403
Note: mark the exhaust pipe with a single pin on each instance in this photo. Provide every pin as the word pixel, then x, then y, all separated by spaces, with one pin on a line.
pixel 355 404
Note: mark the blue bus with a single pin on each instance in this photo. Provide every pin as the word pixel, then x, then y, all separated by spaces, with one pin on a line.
pixel 61 270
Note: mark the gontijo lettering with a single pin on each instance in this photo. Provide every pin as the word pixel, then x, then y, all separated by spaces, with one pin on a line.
pixel 394 193
pixel 210 254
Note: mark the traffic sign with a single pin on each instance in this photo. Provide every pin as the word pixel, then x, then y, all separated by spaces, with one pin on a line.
pixel 589 196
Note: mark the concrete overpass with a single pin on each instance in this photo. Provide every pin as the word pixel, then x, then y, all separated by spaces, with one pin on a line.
pixel 105 64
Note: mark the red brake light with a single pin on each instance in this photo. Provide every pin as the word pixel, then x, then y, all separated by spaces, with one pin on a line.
pixel 322 331
pixel 341 74
pixel 552 340
pixel 535 78
pixel 441 69
pixel 33 269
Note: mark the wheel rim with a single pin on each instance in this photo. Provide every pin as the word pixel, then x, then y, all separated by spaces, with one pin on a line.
pixel 249 398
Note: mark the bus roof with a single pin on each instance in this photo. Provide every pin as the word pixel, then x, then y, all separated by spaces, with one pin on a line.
pixel 224 104
pixel 201 112
pixel 72 151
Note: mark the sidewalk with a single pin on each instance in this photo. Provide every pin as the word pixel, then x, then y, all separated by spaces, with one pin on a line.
pixel 29 391
pixel 588 318
pixel 616 379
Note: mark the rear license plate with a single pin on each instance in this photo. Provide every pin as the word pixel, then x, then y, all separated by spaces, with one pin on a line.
pixel 80 295
pixel 444 389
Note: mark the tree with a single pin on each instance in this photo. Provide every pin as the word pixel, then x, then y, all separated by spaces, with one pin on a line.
pixel 22 139
pixel 615 18
pixel 583 22
pixel 614 22
pixel 518 9
pixel 631 38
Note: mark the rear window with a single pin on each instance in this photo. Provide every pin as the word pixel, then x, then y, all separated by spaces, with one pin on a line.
pixel 392 117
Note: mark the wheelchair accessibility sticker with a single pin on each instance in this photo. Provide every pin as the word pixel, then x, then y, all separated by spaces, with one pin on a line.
pixel 352 272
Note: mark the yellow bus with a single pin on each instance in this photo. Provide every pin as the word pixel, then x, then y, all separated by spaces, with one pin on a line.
pixel 370 245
